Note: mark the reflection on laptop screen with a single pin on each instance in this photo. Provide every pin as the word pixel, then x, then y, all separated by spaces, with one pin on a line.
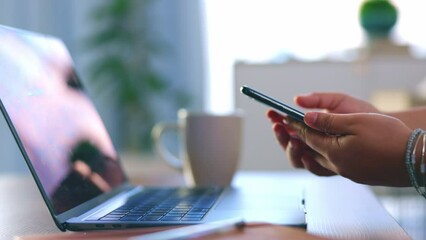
pixel 56 124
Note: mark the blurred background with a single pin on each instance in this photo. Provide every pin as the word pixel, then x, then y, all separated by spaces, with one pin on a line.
pixel 139 60
pixel 143 60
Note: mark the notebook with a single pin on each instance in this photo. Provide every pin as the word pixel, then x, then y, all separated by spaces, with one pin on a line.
pixel 75 165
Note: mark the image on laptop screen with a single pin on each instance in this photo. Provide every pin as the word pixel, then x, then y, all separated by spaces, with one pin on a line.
pixel 58 128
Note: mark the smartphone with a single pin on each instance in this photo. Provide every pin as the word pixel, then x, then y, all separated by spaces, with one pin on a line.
pixel 291 112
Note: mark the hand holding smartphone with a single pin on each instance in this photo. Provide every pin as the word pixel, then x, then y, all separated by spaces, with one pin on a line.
pixel 291 112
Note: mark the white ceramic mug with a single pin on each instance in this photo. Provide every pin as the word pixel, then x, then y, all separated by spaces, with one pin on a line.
pixel 210 148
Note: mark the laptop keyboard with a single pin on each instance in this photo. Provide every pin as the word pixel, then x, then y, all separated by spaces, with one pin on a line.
pixel 175 204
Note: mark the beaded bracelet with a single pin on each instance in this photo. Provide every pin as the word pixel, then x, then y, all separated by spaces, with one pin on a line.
pixel 422 166
pixel 408 154
pixel 412 164
pixel 410 159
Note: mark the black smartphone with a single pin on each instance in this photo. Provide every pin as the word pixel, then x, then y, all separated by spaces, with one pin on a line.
pixel 294 113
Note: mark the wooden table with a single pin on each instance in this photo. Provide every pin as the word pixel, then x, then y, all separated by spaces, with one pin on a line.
pixel 334 211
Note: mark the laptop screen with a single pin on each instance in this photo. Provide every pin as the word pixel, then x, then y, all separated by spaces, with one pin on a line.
pixel 55 123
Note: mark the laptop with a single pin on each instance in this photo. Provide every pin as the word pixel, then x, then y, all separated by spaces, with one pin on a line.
pixel 76 167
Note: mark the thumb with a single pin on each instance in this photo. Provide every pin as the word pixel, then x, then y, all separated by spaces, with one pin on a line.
pixel 334 124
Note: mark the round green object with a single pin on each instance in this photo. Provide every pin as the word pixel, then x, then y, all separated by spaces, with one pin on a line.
pixel 377 17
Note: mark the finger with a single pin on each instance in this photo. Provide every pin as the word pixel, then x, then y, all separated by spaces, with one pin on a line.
pixel 290 145
pixel 281 134
pixel 295 151
pixel 335 124
pixel 274 116
pixel 315 162
pixel 327 101
pixel 322 132
pixel 312 164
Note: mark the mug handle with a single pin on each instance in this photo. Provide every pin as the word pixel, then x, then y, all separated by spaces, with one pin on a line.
pixel 157 132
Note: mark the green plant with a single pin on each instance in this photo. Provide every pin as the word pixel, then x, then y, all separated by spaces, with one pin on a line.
pixel 126 44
